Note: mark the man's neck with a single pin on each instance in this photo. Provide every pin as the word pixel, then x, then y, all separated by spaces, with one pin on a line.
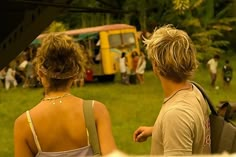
pixel 170 87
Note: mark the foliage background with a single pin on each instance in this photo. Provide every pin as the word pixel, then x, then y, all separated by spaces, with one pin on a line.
pixel 210 23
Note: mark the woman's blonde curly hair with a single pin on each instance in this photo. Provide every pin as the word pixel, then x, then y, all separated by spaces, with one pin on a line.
pixel 59 57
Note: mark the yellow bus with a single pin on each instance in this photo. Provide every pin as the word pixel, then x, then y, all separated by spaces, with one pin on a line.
pixel 103 46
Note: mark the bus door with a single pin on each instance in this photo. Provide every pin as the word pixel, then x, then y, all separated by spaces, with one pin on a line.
pixel 112 49
pixel 97 67
pixel 91 42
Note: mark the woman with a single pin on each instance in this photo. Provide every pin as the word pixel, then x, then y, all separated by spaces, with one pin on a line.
pixel 141 68
pixel 56 126
pixel 123 69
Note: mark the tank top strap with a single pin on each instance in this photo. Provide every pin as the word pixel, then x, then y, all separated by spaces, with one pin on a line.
pixel 87 132
pixel 87 136
pixel 33 131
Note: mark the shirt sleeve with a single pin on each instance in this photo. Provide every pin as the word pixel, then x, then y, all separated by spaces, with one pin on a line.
pixel 177 132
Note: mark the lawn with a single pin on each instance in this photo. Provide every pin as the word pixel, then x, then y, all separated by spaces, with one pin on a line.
pixel 129 106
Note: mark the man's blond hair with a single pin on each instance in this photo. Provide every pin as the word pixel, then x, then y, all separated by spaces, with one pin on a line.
pixel 172 53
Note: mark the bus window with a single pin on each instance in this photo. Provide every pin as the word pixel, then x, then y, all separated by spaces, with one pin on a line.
pixel 114 40
pixel 128 39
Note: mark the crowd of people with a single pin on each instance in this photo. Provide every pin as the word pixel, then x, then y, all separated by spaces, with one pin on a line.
pixel 135 73
pixel 20 71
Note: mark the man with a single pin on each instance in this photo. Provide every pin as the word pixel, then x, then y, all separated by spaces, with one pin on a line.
pixel 182 126
pixel 212 65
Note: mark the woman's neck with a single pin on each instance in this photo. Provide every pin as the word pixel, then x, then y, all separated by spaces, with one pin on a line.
pixel 56 93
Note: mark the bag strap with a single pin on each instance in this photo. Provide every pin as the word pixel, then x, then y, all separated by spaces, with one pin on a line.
pixel 91 126
pixel 210 104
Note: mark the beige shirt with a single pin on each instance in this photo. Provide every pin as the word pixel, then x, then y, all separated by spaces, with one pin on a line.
pixel 212 63
pixel 182 126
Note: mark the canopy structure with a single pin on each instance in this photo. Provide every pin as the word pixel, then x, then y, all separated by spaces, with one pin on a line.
pixel 87 33
pixel 22 22
pixel 85 36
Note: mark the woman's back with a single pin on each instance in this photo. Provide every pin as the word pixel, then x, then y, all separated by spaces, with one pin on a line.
pixel 60 126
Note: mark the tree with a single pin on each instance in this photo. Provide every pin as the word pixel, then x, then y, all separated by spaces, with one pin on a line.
pixel 206 27
pixel 55 27
pixel 207 21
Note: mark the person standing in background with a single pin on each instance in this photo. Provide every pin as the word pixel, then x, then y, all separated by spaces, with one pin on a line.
pixel 133 75
pixel 29 73
pixel 2 77
pixel 124 69
pixel 10 78
pixel 212 66
pixel 141 68
pixel 227 72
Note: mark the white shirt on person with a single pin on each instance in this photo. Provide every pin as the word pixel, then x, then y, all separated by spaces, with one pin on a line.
pixel 141 65
pixel 23 65
pixel 10 74
pixel 212 63
pixel 123 67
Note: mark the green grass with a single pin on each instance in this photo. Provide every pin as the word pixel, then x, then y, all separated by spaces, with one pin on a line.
pixel 129 107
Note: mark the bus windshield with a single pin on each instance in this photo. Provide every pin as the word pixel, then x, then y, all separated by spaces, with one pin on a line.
pixel 116 40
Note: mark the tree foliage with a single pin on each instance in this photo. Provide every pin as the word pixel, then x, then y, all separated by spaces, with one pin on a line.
pixel 209 22
pixel 56 27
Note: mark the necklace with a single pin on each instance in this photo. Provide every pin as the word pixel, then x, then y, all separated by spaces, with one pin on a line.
pixel 172 95
pixel 56 98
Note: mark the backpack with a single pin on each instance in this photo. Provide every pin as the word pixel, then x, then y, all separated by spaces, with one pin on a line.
pixel 223 131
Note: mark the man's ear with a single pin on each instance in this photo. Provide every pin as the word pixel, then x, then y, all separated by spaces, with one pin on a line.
pixel 154 64
pixel 155 68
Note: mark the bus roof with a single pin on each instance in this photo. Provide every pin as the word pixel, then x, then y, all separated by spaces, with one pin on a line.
pixel 94 29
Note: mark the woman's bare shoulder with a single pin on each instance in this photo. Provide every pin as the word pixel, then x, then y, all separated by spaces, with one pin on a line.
pixel 20 123
pixel 100 109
